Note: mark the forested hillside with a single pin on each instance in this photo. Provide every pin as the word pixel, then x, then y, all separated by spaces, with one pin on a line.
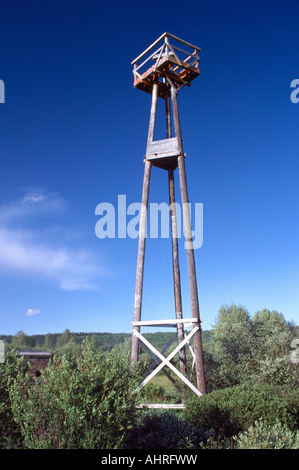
pixel 103 341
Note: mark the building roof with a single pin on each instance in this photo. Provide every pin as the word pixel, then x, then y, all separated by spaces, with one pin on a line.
pixel 34 353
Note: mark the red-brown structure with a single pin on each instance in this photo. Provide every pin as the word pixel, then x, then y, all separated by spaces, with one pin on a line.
pixel 38 361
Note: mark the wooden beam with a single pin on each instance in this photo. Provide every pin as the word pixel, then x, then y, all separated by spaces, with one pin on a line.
pixel 177 406
pixel 176 271
pixel 156 361
pixel 183 41
pixel 149 48
pixel 172 322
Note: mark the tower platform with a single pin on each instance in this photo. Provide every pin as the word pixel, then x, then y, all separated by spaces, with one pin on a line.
pixel 178 65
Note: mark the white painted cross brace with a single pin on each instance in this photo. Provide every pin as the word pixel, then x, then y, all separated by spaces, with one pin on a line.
pixel 165 361
pixel 168 323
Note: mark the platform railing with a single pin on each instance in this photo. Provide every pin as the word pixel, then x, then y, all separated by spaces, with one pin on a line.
pixel 169 51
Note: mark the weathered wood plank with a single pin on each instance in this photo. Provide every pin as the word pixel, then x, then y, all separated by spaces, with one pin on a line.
pixel 178 406
pixel 163 322
pixel 163 148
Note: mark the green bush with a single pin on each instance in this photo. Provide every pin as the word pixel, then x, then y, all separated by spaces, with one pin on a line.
pixel 292 400
pixel 153 393
pixel 10 435
pixel 161 429
pixel 232 410
pixel 262 435
pixel 82 401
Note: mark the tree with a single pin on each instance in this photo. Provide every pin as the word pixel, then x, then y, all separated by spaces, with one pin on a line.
pixel 22 341
pixel 273 333
pixel 66 344
pixel 273 337
pixel 65 338
pixel 94 342
pixel 49 342
pixel 256 350
pixel 233 337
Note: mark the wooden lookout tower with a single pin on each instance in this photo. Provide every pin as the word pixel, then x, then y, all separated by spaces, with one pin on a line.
pixel 162 70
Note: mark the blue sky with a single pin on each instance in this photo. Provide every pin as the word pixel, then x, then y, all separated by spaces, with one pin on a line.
pixel 73 134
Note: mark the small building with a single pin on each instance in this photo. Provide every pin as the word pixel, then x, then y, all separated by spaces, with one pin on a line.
pixel 38 359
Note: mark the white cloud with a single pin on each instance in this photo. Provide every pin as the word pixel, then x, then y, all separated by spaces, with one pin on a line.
pixel 71 268
pixel 31 311
pixel 33 197
pixel 28 251
pixel 33 203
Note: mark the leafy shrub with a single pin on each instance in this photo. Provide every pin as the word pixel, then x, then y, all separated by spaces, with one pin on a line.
pixel 262 435
pixel 160 429
pixel 292 400
pixel 82 401
pixel 156 393
pixel 153 393
pixel 232 410
pixel 10 435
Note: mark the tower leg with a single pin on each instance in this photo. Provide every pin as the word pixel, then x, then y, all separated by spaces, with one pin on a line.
pixel 175 248
pixel 142 230
pixel 140 260
pixel 198 351
pixel 176 271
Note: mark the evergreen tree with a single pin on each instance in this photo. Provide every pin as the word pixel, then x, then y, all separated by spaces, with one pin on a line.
pixel 49 342
pixel 65 338
pixel 22 341
pixel 94 342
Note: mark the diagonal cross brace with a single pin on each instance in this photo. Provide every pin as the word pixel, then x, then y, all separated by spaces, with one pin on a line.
pixel 155 362
pixel 165 361
pixel 155 359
